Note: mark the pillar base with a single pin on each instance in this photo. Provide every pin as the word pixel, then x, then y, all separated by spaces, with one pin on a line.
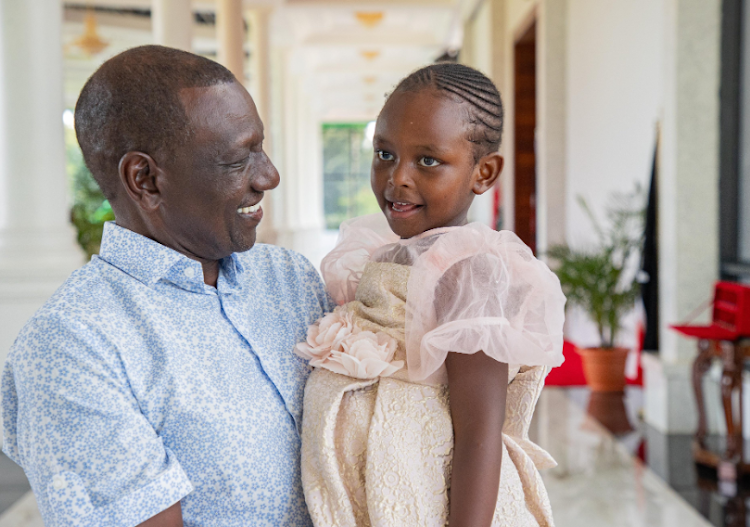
pixel 669 399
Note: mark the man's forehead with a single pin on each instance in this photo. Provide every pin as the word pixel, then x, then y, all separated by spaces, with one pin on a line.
pixel 221 109
pixel 230 99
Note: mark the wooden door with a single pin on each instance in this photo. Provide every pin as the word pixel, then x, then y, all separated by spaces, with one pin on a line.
pixel 525 130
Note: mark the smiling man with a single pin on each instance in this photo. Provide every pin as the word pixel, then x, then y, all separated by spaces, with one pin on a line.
pixel 157 387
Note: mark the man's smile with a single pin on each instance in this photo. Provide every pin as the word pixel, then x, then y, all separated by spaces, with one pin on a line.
pixel 253 212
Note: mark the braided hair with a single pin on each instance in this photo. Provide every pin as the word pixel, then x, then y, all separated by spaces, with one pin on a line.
pixel 465 84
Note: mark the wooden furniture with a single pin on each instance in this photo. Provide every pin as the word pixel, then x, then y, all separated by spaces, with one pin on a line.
pixel 727 338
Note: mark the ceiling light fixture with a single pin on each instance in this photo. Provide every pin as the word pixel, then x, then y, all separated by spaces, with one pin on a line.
pixel 90 42
pixel 369 19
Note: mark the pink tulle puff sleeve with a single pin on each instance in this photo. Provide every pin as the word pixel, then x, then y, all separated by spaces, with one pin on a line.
pixel 478 289
pixel 358 239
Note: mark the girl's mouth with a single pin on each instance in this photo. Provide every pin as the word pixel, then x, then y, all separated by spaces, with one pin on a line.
pixel 401 210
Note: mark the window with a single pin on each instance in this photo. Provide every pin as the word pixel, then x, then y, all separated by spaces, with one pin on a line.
pixel 347 156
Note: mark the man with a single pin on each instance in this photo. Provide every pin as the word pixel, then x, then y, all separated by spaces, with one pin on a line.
pixel 158 387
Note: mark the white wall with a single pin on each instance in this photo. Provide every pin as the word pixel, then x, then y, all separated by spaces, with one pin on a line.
pixel 479 33
pixel 615 86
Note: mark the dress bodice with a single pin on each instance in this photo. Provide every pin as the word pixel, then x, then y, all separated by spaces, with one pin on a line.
pixel 380 305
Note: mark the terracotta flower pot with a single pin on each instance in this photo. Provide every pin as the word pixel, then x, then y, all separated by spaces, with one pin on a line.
pixel 604 368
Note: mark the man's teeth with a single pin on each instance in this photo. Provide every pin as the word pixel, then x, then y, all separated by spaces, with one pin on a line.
pixel 249 210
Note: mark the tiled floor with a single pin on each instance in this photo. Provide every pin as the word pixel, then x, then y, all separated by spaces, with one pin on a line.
pixel 598 482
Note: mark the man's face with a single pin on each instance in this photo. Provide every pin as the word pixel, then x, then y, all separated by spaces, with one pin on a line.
pixel 215 181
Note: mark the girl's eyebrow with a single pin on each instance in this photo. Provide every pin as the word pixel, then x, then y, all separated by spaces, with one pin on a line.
pixel 432 149
pixel 427 148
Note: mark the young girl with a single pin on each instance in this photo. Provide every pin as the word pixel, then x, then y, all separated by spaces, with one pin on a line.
pixel 430 305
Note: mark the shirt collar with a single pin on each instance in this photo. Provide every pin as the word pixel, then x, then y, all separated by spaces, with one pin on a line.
pixel 149 261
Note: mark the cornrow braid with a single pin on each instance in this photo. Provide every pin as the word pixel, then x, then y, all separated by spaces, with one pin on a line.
pixel 469 85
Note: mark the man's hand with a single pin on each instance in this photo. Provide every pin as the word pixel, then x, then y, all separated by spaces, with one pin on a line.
pixel 172 517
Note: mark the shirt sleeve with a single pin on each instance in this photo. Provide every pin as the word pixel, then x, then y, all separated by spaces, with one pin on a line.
pixel 71 421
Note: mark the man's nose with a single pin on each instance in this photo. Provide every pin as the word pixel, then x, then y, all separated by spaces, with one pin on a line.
pixel 267 177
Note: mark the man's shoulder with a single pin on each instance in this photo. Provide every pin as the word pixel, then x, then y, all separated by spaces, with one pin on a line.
pixel 78 304
pixel 280 271
pixel 276 259
pixel 86 289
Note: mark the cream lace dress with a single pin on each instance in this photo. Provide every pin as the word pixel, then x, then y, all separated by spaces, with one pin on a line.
pixel 377 436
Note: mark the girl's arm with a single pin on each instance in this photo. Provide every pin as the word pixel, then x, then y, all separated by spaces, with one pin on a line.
pixel 478 387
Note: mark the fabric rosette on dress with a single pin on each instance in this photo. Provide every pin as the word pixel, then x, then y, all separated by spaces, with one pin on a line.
pixel 337 344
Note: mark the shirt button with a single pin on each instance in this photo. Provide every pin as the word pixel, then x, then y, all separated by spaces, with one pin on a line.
pixel 190 272
pixel 59 482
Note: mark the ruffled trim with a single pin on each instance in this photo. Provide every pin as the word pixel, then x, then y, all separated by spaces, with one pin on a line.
pixel 493 335
pixel 496 296
pixel 358 239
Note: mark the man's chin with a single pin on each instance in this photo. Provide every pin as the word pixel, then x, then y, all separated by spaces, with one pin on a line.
pixel 244 242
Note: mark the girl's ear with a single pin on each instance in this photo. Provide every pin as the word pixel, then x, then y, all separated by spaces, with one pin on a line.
pixel 486 172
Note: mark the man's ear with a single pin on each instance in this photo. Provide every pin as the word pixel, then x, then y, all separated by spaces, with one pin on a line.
pixel 486 172
pixel 141 177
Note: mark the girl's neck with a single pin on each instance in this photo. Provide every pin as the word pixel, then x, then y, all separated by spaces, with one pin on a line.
pixel 431 232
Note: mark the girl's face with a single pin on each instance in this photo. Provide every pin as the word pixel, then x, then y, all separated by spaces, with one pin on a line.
pixel 423 172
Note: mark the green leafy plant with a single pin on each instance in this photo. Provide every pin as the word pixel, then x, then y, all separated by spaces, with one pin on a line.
pixel 90 208
pixel 602 279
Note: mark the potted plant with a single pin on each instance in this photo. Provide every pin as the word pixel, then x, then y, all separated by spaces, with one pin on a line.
pixel 602 281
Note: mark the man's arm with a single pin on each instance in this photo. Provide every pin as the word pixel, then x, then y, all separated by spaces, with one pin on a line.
pixel 172 517
pixel 72 421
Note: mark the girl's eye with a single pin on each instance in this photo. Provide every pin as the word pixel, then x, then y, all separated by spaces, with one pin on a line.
pixel 385 156
pixel 429 162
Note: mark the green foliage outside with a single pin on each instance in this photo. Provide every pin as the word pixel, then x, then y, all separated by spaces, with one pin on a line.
pixel 347 156
pixel 601 280
pixel 89 209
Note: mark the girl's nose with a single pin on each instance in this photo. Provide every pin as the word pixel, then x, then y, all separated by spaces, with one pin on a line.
pixel 400 176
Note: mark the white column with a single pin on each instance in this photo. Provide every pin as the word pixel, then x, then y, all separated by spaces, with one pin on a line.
pixel 551 94
pixel 172 23
pixel 37 243
pixel 260 89
pixel 230 29
pixel 299 217
pixel 688 202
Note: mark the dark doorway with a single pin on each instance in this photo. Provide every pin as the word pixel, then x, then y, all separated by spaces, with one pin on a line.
pixel 525 129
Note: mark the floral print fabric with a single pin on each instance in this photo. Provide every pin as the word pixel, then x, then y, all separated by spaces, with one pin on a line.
pixel 137 386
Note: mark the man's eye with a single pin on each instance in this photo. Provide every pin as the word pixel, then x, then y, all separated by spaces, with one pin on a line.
pixel 385 156
pixel 238 164
pixel 429 162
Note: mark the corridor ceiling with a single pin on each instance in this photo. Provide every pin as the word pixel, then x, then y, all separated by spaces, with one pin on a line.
pixel 347 55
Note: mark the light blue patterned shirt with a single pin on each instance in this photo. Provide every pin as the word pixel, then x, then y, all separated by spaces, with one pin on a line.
pixel 137 386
